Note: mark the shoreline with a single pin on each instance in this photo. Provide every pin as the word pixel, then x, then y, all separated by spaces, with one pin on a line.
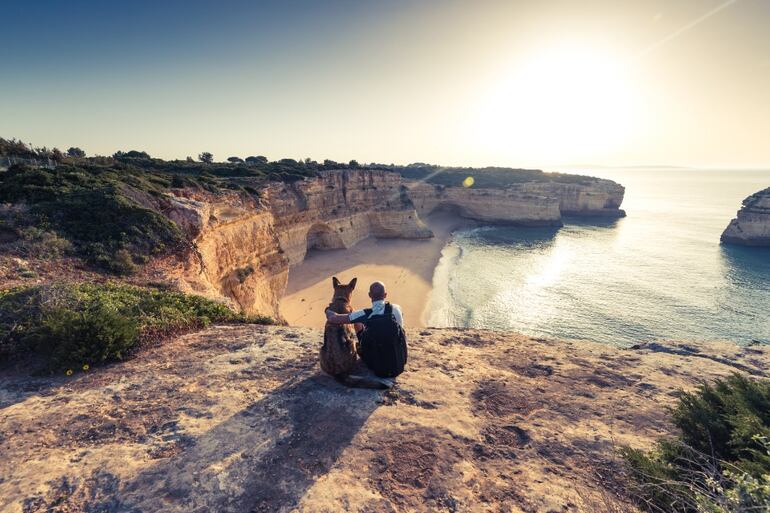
pixel 405 266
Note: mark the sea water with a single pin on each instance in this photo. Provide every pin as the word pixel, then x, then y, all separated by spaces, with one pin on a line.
pixel 658 274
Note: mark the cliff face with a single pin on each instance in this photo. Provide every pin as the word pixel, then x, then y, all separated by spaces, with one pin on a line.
pixel 491 205
pixel 338 209
pixel 600 198
pixel 235 255
pixel 752 225
pixel 532 204
pixel 243 246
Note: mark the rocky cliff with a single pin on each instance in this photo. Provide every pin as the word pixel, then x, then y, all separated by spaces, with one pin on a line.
pixel 752 225
pixel 599 198
pixel 528 204
pixel 243 245
pixel 240 418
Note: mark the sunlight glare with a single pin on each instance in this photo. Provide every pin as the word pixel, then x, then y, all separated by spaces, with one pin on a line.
pixel 561 103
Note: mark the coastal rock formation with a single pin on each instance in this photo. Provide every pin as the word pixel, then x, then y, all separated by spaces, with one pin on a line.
pixel 510 206
pixel 338 209
pixel 601 198
pixel 240 418
pixel 527 204
pixel 244 245
pixel 752 225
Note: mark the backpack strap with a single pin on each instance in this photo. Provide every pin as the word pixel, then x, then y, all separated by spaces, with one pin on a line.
pixel 367 313
pixel 388 309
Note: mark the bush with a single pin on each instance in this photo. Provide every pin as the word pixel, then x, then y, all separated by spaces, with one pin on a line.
pixel 82 337
pixel 720 461
pixel 97 211
pixel 71 325
pixel 42 243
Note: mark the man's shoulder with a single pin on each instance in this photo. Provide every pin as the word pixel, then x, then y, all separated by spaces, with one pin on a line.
pixel 395 307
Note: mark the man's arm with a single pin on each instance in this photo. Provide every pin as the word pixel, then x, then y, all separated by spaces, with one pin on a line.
pixel 336 318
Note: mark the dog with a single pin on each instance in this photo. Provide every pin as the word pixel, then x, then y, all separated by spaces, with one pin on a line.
pixel 339 353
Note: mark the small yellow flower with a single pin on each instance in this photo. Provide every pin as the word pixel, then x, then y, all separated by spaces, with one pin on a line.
pixel 86 367
pixel 468 182
pixel 69 372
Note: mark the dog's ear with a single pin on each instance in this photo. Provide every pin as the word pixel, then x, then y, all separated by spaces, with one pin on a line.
pixel 352 283
pixel 335 281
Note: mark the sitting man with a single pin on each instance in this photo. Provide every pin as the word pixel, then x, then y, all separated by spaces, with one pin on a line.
pixel 381 338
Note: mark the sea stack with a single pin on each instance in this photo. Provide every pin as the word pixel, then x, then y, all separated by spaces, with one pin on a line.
pixel 752 225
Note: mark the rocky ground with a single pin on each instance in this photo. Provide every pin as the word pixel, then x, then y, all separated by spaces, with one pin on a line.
pixel 240 418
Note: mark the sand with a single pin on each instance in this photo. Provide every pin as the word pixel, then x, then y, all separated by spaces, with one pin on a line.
pixel 405 266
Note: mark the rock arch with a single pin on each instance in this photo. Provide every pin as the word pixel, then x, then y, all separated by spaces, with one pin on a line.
pixel 322 236
pixel 450 207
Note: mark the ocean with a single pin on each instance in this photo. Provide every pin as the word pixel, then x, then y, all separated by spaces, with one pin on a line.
pixel 658 274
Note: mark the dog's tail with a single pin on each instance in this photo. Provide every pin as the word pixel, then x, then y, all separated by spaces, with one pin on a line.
pixel 350 380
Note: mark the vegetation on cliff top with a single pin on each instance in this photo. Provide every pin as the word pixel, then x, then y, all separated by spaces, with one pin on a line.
pixel 720 462
pixel 109 210
pixel 74 325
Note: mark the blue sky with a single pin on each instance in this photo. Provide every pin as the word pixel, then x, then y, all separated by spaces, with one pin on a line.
pixel 486 82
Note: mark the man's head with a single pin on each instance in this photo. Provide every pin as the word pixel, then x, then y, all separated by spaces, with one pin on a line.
pixel 377 291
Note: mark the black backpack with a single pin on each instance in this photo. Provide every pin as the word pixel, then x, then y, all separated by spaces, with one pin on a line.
pixel 383 344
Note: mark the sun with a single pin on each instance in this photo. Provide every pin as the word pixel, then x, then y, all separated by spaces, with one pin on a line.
pixel 559 104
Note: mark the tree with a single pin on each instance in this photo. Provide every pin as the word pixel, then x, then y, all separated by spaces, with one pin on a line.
pixel 259 159
pixel 235 160
pixel 132 154
pixel 330 163
pixel 206 157
pixel 75 152
pixel 353 164
pixel 190 159
pixel 57 155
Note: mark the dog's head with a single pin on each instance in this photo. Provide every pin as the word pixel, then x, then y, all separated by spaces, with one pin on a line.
pixel 343 291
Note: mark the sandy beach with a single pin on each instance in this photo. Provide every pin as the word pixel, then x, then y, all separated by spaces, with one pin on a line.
pixel 405 266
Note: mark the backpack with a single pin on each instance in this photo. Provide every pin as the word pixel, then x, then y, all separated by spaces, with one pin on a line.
pixel 383 344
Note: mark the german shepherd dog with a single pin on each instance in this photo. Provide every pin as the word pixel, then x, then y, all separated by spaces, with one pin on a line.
pixel 339 354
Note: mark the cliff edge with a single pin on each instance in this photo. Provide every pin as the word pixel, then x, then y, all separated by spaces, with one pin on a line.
pixel 751 227
pixel 240 418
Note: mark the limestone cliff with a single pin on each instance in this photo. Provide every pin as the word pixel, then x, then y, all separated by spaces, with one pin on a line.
pixel 599 198
pixel 752 225
pixel 338 209
pixel 491 205
pixel 530 203
pixel 243 245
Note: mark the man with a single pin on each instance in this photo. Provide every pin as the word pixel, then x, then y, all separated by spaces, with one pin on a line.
pixel 381 338
pixel 378 295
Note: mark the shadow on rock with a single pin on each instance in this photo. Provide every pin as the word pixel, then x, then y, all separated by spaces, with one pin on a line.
pixel 263 458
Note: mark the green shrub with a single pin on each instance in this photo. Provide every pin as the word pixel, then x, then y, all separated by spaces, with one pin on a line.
pixel 720 462
pixel 101 211
pixel 71 325
pixel 42 243
pixel 83 337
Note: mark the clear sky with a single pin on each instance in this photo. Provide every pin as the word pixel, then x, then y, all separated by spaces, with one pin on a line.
pixel 482 82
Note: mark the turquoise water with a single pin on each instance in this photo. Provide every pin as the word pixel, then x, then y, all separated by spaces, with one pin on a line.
pixel 658 274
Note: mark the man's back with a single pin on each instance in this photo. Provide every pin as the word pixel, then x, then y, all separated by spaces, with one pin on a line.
pixel 378 308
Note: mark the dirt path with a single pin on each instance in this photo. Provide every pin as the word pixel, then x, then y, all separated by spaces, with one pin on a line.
pixel 239 418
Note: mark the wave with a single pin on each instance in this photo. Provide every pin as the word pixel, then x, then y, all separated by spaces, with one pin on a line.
pixel 441 302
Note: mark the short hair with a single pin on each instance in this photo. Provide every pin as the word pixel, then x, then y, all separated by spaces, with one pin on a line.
pixel 377 290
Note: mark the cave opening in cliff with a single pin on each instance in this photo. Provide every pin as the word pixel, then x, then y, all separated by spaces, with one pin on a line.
pixel 322 237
